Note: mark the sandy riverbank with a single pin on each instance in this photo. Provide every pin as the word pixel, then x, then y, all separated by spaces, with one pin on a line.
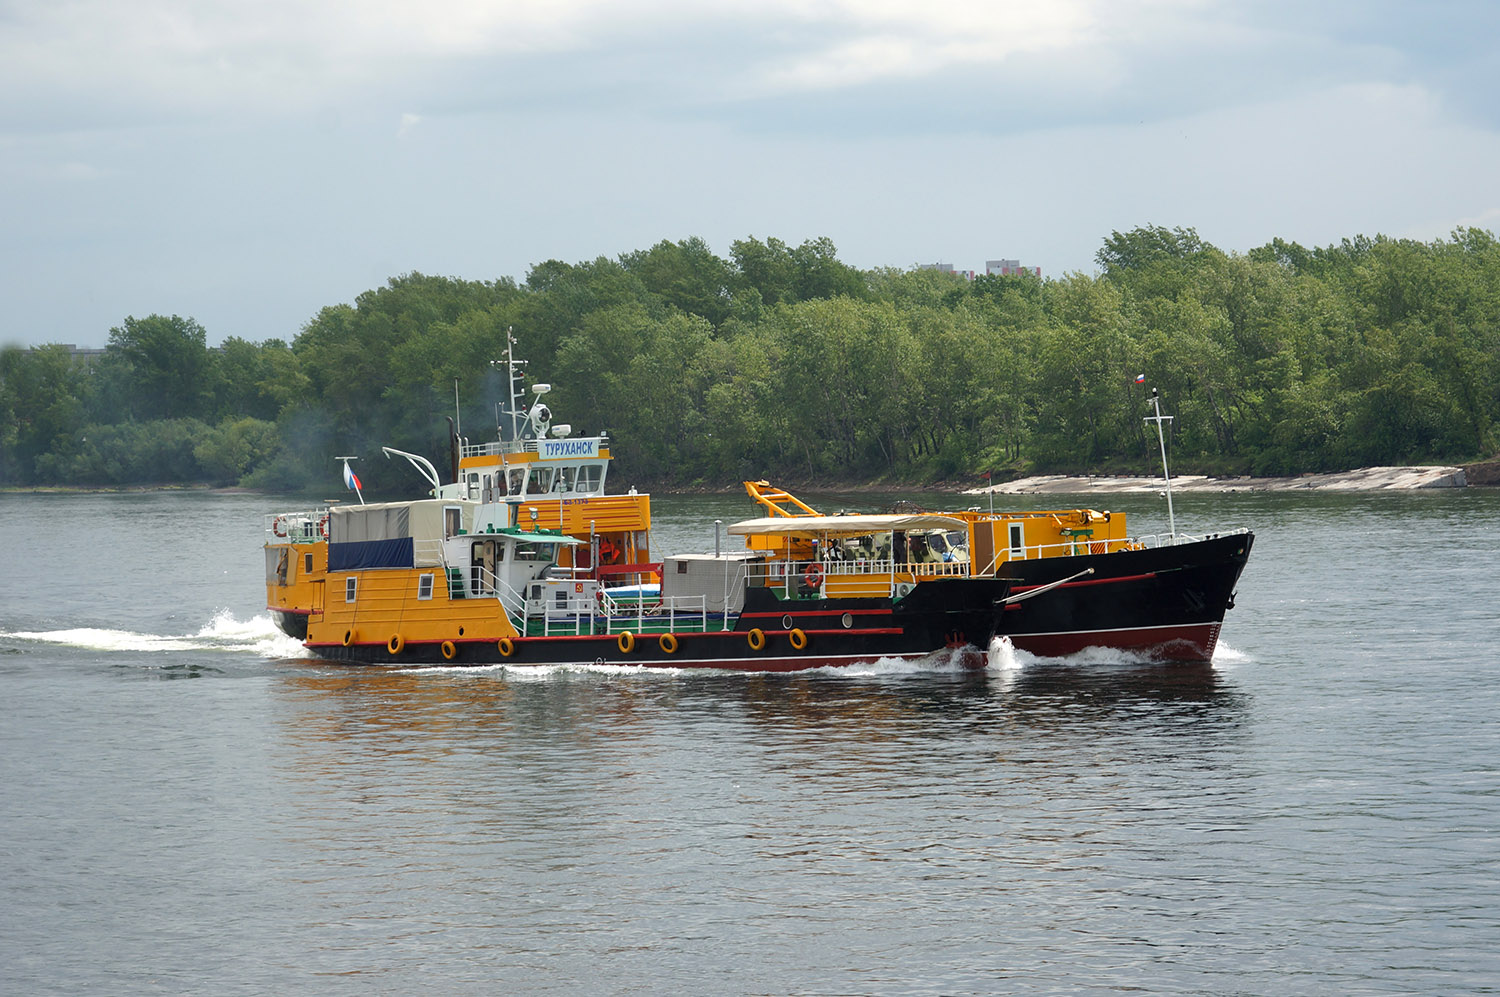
pixel 1364 479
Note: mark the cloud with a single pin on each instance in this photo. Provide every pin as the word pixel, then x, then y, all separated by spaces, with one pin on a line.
pixel 756 64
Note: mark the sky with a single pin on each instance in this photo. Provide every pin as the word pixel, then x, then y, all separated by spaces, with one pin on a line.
pixel 246 163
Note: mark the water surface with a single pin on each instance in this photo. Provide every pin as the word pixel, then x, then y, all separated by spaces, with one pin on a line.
pixel 192 806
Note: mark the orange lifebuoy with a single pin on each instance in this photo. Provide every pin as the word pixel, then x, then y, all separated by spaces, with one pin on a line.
pixel 668 643
pixel 626 641
pixel 798 638
pixel 757 639
pixel 395 644
pixel 813 576
pixel 450 650
pixel 506 646
pixel 348 637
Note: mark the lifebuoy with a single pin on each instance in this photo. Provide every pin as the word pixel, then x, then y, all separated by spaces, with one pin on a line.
pixel 450 649
pixel 757 639
pixel 506 647
pixel 813 576
pixel 278 527
pixel 323 527
pixel 668 643
pixel 626 640
pixel 348 637
pixel 798 638
pixel 395 644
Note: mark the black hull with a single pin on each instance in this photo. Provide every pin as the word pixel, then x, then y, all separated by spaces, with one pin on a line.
pixel 959 614
pixel 291 622
pixel 1163 603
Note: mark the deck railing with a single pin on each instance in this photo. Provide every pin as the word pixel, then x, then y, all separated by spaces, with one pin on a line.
pixel 301 527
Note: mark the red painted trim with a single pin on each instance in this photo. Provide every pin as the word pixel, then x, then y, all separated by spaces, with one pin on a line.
pixel 1185 642
pixel 683 634
pixel 293 612
pixel 817 612
pixel 1093 581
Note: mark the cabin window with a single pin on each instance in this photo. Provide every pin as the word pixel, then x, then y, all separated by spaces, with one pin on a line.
pixel 682 567
pixel 453 521
pixel 565 476
pixel 515 481
pixel 589 476
pixel 541 481
pixel 307 564
pixel 474 486
pixel 351 588
pixel 1017 541
pixel 489 488
pixel 424 586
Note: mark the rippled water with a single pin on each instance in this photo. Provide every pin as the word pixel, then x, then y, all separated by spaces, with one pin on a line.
pixel 1316 812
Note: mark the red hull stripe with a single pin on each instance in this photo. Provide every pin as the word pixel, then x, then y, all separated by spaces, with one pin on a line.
pixel 289 612
pixel 601 638
pixel 1093 581
pixel 818 612
pixel 1185 642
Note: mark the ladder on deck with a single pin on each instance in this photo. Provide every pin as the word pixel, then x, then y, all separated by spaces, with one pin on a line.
pixel 774 498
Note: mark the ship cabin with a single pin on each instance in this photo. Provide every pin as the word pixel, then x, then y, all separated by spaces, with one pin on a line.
pixel 851 556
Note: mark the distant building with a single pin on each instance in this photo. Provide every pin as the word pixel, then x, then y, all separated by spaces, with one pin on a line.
pixel 88 354
pixel 1010 268
pixel 994 268
pixel 946 268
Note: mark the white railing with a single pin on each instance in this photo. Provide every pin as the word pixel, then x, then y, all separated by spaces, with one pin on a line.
pixel 1173 539
pixel 494 448
pixel 797 577
pixel 929 569
pixel 675 611
pixel 482 583
pixel 301 527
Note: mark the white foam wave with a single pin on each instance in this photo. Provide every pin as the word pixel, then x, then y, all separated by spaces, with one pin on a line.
pixel 1003 656
pixel 257 635
pixel 542 673
pixel 1226 655
pixel 948 660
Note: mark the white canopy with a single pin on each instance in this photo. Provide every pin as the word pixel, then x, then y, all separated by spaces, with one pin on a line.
pixel 816 526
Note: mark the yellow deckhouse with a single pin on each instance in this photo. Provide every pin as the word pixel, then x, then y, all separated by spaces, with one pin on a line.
pixel 534 476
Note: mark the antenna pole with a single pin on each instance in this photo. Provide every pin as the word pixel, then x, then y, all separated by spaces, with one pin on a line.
pixel 1158 418
pixel 510 379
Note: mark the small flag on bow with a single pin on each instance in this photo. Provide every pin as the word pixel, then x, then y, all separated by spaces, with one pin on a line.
pixel 351 480
pixel 1140 379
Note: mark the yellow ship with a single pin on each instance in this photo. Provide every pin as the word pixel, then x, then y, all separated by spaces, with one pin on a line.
pixel 534 476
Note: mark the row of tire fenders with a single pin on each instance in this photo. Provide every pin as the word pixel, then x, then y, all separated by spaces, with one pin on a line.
pixel 625 640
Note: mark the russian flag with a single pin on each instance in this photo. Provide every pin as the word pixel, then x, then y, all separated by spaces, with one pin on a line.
pixel 351 481
pixel 1140 379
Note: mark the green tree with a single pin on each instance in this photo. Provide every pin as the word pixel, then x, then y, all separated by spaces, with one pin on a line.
pixel 165 365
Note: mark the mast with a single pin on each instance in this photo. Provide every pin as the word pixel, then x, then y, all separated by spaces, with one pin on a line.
pixel 1158 418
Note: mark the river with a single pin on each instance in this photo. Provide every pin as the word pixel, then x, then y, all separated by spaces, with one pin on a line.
pixel 191 806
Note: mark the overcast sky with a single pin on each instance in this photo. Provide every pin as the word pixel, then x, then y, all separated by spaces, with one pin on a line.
pixel 247 163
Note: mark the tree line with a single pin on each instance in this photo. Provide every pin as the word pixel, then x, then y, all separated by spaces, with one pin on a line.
pixel 783 361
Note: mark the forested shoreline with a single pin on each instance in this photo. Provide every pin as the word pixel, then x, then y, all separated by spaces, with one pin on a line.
pixel 783 361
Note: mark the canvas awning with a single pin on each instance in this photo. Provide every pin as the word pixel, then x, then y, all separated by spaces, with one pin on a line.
pixel 818 526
